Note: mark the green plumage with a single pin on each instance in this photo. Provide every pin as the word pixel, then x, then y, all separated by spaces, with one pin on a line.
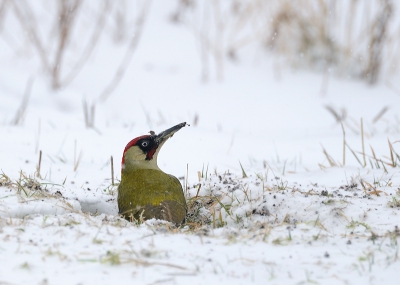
pixel 151 193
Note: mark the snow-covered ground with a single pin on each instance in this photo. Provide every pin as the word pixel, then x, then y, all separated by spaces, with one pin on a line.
pixel 300 216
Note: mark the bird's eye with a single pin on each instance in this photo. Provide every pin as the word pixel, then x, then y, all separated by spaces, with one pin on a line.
pixel 145 144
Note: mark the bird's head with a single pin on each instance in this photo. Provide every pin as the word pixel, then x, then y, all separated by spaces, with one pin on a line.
pixel 141 152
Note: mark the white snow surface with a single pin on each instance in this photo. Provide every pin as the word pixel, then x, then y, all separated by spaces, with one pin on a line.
pixel 294 219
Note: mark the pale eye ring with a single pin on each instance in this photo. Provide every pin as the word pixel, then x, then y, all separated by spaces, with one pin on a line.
pixel 145 144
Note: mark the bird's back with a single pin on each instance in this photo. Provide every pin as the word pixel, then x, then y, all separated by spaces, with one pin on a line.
pixel 151 193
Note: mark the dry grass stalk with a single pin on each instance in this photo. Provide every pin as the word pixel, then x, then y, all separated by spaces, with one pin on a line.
pixel 328 157
pixel 112 170
pixel 354 153
pixel 198 190
pixel 89 114
pixel 77 160
pixel 378 34
pixel 391 154
pixel 244 175
pixel 362 142
pixel 39 165
pixel 344 145
pixel 195 120
pixel 371 189
pixel 339 117
pixel 186 181
pixel 373 153
pixel 380 114
pixel 20 114
pixel 37 137
pixel 397 155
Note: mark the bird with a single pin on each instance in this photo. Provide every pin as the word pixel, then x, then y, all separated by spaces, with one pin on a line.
pixel 145 191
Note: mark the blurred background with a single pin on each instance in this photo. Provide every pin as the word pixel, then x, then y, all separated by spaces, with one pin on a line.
pixel 256 79
pixel 352 39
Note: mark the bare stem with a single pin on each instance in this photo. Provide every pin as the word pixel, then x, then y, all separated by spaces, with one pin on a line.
pixel 112 170
pixel 362 142
pixel 344 145
pixel 20 114
pixel 186 180
pixel 128 54
pixel 39 164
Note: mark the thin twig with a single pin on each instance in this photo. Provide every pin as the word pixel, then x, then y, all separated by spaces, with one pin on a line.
pixel 66 16
pixel 128 54
pixel 29 24
pixel 90 46
pixel 198 190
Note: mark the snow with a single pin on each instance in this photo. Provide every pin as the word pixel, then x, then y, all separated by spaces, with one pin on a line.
pixel 294 219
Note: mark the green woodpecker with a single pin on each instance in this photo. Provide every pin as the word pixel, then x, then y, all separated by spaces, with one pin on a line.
pixel 145 190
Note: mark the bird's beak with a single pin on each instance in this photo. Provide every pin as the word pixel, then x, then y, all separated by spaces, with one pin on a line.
pixel 163 136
